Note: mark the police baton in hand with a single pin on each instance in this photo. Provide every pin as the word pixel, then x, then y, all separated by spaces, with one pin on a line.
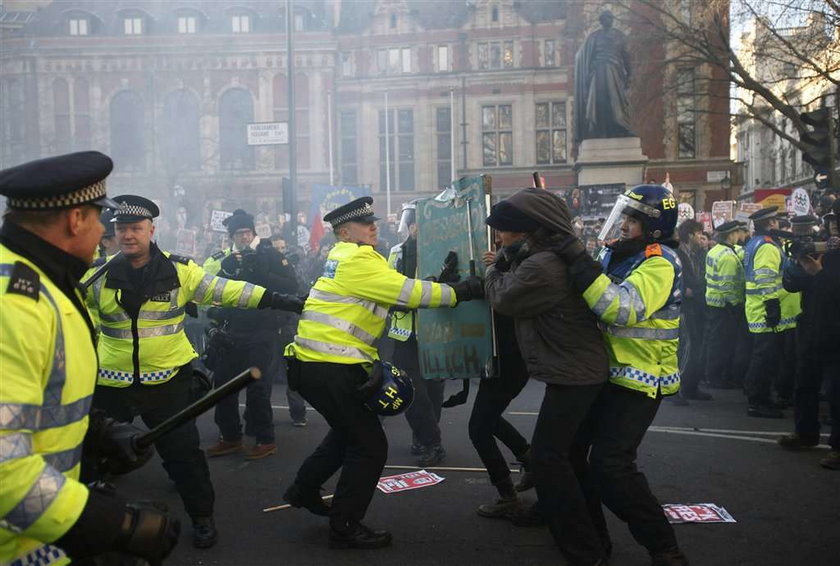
pixel 143 441
pixel 102 270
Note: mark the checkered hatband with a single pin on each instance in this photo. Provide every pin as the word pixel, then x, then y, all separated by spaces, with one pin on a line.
pixel 366 210
pixel 75 198
pixel 133 210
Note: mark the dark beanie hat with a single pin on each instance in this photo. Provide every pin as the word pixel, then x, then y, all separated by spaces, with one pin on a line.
pixel 239 220
pixel 507 218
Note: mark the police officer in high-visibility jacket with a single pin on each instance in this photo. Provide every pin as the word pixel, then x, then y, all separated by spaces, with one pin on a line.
pixel 724 305
pixel 145 356
pixel 48 371
pixel 635 289
pixel 332 354
pixel 771 312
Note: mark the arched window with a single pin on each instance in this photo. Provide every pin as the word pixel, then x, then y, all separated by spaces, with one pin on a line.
pixel 13 147
pixel 180 143
pixel 61 105
pixel 127 132
pixel 281 114
pixel 81 114
pixel 236 111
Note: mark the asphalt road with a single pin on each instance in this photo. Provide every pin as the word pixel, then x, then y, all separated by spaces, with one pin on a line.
pixel 787 508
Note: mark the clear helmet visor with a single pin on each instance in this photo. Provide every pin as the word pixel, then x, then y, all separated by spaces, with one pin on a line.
pixel 625 206
pixel 407 218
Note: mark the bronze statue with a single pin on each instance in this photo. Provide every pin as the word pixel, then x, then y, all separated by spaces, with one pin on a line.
pixel 602 77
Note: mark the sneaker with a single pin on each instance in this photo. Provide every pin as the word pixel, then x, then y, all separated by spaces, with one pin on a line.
pixel 501 509
pixel 359 536
pixel 526 482
pixel 260 451
pixel 672 557
pixel 300 423
pixel 223 447
pixel 793 441
pixel 298 497
pixel 764 411
pixel 205 534
pixel 832 461
pixel 432 456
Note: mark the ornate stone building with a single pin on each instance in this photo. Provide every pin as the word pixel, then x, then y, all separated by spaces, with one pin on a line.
pixel 167 88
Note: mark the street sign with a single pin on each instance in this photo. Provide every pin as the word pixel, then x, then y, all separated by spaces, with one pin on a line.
pixel 268 133
pixel 821 180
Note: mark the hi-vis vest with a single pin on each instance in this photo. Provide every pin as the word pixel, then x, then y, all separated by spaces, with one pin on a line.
pixel 402 323
pixel 346 309
pixel 763 263
pixel 213 264
pixel 638 304
pixel 158 333
pixel 724 277
pixel 47 373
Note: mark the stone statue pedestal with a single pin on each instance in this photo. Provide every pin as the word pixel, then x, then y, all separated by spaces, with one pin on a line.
pixel 604 161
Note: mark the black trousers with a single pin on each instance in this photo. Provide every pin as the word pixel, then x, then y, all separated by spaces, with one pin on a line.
pixel 615 427
pixel 786 377
pixel 743 348
pixel 768 349
pixel 721 344
pixel 259 419
pixel 691 329
pixel 811 374
pixel 182 458
pixel 423 415
pixel 356 443
pixel 487 422
pixel 562 500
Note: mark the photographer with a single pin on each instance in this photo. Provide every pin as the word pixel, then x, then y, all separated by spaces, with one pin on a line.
pixel 248 339
pixel 816 272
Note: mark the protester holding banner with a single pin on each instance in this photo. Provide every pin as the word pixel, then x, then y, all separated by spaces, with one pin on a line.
pixel 561 344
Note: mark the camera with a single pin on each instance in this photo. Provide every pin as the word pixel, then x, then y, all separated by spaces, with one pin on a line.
pixel 803 238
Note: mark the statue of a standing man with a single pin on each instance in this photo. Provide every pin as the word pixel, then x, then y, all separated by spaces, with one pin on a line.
pixel 602 77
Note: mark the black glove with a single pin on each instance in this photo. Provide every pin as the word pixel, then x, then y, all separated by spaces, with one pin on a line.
pixel 583 270
pixel 218 338
pixel 191 309
pixel 449 272
pixel 773 312
pixel 279 301
pixel 470 288
pixel 148 532
pixel 119 454
pixel 459 398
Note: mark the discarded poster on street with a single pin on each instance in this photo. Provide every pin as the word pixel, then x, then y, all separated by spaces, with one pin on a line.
pixel 696 513
pixel 410 480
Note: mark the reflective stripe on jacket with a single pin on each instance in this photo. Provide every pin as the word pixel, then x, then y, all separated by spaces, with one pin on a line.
pixel 402 323
pixel 638 304
pixel 48 366
pixel 158 333
pixel 763 264
pixel 724 277
pixel 346 309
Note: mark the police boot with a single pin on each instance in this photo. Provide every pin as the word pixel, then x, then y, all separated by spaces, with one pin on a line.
pixel 506 507
pixel 432 456
pixel 526 478
pixel 357 535
pixel 205 534
pixel 310 500
pixel 670 557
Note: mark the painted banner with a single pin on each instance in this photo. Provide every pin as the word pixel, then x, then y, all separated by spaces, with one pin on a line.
pixel 406 482
pixel 454 343
pixel 598 200
pixel 696 513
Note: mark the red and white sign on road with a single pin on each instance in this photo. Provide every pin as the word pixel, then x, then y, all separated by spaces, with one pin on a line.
pixel 696 513
pixel 411 480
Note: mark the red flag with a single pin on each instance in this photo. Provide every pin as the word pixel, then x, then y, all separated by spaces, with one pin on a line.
pixel 316 232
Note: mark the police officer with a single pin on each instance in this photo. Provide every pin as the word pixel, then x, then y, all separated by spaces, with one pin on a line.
pixel 50 233
pixel 724 305
pixel 424 413
pixel 253 338
pixel 771 312
pixel 108 244
pixel 332 354
pixel 144 355
pixel 635 290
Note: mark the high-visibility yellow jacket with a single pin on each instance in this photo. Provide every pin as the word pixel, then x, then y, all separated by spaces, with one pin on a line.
pixel 763 265
pixel 638 303
pixel 157 334
pixel 346 309
pixel 213 264
pixel 402 322
pixel 47 376
pixel 725 277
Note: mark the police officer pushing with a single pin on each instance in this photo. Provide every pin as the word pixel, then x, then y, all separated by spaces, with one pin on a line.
pixel 333 355
pixel 145 356
pixel 50 233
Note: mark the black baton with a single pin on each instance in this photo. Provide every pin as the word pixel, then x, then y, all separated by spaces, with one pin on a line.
pixel 103 269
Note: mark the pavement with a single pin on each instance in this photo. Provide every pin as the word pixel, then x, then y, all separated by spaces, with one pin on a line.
pixel 786 507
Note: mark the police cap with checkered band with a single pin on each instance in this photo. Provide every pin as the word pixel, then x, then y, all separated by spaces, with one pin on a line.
pixel 53 183
pixel 134 208
pixel 359 210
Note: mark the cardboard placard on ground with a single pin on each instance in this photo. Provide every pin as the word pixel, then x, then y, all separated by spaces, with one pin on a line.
pixel 408 481
pixel 696 513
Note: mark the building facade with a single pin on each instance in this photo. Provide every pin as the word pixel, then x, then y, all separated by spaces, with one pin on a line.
pixel 429 87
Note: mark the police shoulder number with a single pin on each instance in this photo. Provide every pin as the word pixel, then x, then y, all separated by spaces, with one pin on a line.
pixel 24 281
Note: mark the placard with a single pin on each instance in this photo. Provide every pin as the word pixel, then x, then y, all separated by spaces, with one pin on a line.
pixel 722 211
pixel 696 513
pixel 408 481
pixel 216 219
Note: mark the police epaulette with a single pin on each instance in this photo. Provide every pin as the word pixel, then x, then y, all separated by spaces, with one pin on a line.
pixel 99 262
pixel 24 281
pixel 218 255
pixel 180 258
